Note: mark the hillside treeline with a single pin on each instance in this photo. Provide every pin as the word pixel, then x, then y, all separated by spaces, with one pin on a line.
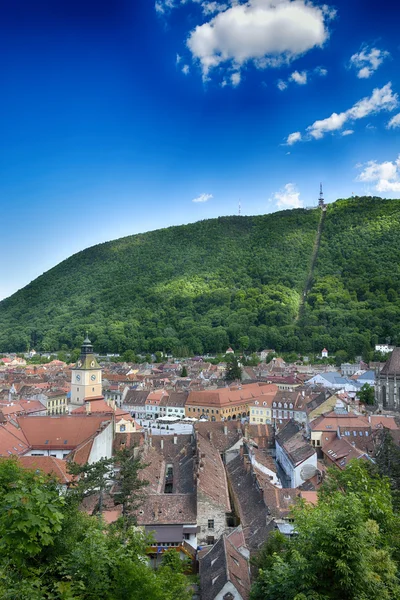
pixel 231 281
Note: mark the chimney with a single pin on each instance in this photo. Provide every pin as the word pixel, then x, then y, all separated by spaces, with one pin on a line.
pixel 225 429
pixel 175 439
pixel 162 444
pixel 210 435
pixel 88 407
pixel 150 441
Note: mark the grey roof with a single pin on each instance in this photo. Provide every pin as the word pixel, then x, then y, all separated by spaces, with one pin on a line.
pixel 392 365
pixel 136 397
pixel 297 448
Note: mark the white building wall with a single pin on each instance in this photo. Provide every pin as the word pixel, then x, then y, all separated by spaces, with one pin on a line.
pixel 102 444
pixel 228 588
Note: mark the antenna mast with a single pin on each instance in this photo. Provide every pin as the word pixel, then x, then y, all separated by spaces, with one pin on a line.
pixel 321 201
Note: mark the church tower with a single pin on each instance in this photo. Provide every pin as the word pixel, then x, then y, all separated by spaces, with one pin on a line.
pixel 86 376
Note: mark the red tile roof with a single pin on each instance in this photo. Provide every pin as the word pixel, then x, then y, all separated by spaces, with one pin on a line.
pixel 61 431
pixel 49 465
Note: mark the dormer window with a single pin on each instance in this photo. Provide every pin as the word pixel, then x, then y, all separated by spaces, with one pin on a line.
pixel 264 404
pixel 290 405
pixel 256 402
pixel 279 404
pixel 285 405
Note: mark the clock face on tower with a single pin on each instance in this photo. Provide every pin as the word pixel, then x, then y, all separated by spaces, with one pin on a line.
pixel 93 377
pixel 78 377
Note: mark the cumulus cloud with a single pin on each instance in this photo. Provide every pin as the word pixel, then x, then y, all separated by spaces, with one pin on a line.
pixel 300 78
pixel 385 176
pixel 367 61
pixel 203 198
pixel 380 99
pixel 288 197
pixel 265 32
pixel 185 69
pixel 293 138
pixel 347 132
pixel 394 122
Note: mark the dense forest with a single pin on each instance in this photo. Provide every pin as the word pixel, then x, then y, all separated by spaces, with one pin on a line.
pixel 231 281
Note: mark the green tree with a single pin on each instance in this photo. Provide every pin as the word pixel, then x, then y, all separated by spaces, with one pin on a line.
pixel 233 370
pixel 337 554
pixel 129 485
pixel 92 479
pixel 49 550
pixel 184 372
pixel 244 342
pixel 387 459
pixel 366 394
pixel 31 511
pixel 128 356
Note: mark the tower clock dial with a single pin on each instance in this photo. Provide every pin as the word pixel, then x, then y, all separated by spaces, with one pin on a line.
pixel 78 377
pixel 93 377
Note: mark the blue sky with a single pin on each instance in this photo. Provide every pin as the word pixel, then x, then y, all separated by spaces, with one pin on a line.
pixel 125 116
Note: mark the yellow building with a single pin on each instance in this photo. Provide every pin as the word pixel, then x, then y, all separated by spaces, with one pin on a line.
pixel 56 403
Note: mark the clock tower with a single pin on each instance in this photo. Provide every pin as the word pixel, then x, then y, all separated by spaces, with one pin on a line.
pixel 86 376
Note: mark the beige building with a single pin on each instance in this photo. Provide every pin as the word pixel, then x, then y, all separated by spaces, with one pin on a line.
pixel 226 404
pixel 86 382
pixel 56 403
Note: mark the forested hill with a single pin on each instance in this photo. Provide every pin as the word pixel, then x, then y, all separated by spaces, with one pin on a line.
pixel 229 281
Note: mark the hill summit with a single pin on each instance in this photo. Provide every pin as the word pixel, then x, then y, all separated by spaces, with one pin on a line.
pixel 297 280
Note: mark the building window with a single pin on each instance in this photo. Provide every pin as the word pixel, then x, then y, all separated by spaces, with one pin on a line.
pixel 186 536
pixel 210 523
pixel 122 428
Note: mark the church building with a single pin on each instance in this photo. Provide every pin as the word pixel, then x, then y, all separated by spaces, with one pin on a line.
pixel 86 383
pixel 388 383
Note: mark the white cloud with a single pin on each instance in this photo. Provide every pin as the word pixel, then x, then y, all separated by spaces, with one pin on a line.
pixel 293 138
pixel 367 61
pixel 332 123
pixel 203 198
pixel 321 71
pixel 185 69
pixel 385 175
pixel 210 8
pixel 235 79
pixel 288 197
pixel 281 85
pixel 380 99
pixel 300 78
pixel 347 132
pixel 162 6
pixel 394 122
pixel 265 32
pixel 178 59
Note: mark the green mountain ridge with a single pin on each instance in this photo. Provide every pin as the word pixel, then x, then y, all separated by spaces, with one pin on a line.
pixel 236 281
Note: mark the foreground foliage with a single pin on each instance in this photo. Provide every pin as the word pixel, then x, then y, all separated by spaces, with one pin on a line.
pixel 49 550
pixel 346 547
